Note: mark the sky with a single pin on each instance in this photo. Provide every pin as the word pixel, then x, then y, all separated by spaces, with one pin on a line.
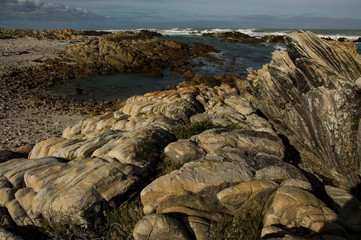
pixel 130 14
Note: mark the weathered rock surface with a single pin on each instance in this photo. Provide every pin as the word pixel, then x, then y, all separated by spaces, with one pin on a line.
pixel 64 192
pixel 308 94
pixel 157 226
pixel 293 208
pixel 233 167
pixel 213 188
pixel 103 158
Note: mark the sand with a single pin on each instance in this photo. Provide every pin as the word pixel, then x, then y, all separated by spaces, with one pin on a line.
pixel 28 51
pixel 22 124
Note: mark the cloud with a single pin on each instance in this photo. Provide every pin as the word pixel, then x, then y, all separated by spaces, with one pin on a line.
pixel 36 13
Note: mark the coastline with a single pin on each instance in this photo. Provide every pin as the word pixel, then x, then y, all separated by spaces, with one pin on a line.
pixel 269 142
pixel 31 61
pixel 22 123
pixel 27 116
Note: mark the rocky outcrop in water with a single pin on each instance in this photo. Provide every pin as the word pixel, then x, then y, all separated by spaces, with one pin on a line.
pixel 238 37
pixel 309 94
pixel 93 53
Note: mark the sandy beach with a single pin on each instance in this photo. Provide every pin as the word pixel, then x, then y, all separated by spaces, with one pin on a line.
pixel 21 123
pixel 28 51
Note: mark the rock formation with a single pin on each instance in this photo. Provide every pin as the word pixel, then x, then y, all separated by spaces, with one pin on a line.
pixel 94 53
pixel 233 166
pixel 308 94
pixel 238 37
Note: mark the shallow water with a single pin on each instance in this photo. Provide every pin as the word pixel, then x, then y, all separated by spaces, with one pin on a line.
pixel 236 59
pixel 115 86
pixel 236 55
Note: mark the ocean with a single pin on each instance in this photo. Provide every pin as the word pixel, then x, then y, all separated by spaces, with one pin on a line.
pixel 235 55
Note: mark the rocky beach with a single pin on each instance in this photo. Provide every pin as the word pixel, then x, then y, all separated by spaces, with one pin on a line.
pixel 277 151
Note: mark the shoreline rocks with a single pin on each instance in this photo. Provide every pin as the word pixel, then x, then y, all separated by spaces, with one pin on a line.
pixel 36 60
pixel 287 111
pixel 237 37
pixel 308 95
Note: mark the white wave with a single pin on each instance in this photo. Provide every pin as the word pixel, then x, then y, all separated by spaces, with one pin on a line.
pixel 280 46
pixel 338 36
pixel 249 31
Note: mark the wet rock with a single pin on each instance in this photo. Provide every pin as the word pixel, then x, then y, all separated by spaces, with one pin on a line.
pixel 358 40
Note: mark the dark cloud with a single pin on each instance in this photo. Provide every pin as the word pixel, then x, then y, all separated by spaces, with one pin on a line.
pixel 310 21
pixel 127 14
pixel 38 14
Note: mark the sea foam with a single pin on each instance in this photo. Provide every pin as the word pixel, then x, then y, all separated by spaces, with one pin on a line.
pixel 351 35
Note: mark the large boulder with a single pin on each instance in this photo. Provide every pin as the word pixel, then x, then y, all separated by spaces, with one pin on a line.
pixel 291 208
pixel 308 93
pixel 64 192
pixel 198 182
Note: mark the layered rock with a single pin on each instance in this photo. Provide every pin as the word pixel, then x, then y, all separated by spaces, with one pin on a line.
pixel 113 150
pixel 308 94
pixel 234 166
pixel 64 192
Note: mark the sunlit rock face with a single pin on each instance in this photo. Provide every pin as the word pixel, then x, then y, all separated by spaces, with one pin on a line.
pixel 309 94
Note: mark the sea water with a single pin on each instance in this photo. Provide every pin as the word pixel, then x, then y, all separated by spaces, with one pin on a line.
pixel 237 58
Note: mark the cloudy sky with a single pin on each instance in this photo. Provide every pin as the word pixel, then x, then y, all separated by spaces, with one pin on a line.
pixel 127 14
